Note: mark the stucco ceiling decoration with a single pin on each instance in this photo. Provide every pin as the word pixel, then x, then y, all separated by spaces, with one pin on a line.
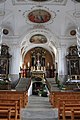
pixel 33 32
pixel 39 15
pixel 2 12
pixel 2 7
pixel 76 14
pixel 1 1
pixel 23 2
pixel 49 36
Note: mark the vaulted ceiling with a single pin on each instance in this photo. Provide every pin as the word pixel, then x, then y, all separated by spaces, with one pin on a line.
pixel 64 18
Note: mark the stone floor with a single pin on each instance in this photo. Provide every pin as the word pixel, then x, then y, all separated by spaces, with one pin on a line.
pixel 39 108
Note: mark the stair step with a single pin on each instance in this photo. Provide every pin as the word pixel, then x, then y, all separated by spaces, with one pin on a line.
pixel 50 113
pixel 39 108
pixel 40 119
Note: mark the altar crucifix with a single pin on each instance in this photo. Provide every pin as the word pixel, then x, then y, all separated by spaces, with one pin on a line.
pixel 74 66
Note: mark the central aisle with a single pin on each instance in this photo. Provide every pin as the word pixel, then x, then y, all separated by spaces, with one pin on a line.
pixel 39 108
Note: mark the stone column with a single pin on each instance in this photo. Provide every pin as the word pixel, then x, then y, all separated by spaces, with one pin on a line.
pixel 62 69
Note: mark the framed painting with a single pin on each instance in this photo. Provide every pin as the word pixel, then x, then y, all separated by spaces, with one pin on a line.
pixel 38 39
pixel 39 16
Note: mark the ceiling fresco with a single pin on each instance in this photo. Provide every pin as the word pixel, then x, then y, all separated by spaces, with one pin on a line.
pixel 38 39
pixel 39 16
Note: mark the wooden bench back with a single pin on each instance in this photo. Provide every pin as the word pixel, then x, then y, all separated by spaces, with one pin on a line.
pixel 70 109
pixel 70 103
pixel 13 106
pixel 54 96
pixel 15 95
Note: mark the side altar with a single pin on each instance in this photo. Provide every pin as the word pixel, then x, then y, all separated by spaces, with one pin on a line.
pixel 4 67
pixel 73 64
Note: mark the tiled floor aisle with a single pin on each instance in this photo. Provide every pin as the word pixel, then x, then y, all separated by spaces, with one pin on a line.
pixel 39 108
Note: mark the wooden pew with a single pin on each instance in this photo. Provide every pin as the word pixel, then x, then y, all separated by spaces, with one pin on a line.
pixel 6 112
pixel 16 94
pixel 62 95
pixel 5 96
pixel 72 110
pixel 14 105
pixel 66 101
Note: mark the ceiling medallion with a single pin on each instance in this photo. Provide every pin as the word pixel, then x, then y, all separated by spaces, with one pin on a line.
pixel 73 32
pixel 39 16
pixel 38 39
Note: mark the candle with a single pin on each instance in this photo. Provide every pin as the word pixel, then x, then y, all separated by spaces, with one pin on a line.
pixel 24 66
pixel 75 77
pixel 48 64
pixel 28 64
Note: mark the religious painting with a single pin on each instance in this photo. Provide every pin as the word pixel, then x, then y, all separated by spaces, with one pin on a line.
pixel 38 39
pixel 39 16
pixel 74 67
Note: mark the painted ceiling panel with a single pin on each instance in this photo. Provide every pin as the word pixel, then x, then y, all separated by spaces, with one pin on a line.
pixel 14 15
